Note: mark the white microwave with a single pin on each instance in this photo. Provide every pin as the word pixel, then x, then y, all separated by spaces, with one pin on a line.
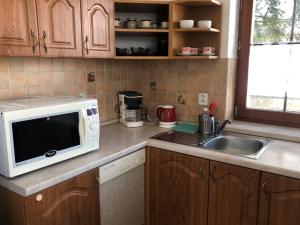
pixel 40 131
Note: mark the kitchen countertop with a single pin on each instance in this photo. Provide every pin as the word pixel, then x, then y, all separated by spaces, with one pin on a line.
pixel 282 157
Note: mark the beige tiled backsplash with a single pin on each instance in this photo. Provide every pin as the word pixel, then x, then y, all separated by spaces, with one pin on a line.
pixel 175 80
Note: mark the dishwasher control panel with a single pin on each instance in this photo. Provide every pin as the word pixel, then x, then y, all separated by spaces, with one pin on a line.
pixel 122 165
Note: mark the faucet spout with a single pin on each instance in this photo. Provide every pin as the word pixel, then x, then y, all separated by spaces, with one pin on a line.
pixel 223 126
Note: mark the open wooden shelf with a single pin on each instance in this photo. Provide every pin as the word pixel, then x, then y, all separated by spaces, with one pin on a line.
pixel 140 30
pixel 195 57
pixel 198 3
pixel 141 57
pixel 194 30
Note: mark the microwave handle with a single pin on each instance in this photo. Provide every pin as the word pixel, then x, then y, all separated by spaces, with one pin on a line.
pixel 82 127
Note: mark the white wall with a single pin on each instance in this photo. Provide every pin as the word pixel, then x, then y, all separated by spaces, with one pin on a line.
pixel 230 17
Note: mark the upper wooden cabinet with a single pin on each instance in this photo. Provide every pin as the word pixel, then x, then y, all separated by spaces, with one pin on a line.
pixel 98 28
pixel 18 28
pixel 60 27
pixel 279 200
pixel 233 195
pixel 179 189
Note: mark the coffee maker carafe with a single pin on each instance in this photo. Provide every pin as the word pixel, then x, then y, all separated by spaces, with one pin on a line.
pixel 131 108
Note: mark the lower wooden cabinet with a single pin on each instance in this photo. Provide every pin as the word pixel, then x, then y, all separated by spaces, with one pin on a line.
pixel 279 202
pixel 186 190
pixel 178 189
pixel 73 202
pixel 233 195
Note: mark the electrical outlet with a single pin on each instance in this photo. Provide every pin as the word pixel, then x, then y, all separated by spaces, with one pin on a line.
pixel 203 99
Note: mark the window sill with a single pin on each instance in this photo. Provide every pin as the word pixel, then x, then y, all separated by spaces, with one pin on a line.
pixel 265 130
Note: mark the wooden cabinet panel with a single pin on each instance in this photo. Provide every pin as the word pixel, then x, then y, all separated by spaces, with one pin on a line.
pixel 18 28
pixel 179 189
pixel 279 200
pixel 98 28
pixel 74 202
pixel 60 27
pixel 233 195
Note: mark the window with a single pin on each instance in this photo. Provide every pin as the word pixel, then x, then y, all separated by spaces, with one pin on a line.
pixel 268 83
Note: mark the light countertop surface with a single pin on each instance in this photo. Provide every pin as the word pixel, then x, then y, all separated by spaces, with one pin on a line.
pixel 282 157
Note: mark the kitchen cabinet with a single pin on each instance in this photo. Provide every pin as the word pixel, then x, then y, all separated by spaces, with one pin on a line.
pixel 59 27
pixel 279 200
pixel 233 195
pixel 18 28
pixel 97 28
pixel 178 188
pixel 186 190
pixel 73 202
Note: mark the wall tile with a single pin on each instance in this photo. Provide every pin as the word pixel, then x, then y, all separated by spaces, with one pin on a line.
pixel 33 79
pixel 31 64
pixel 18 93
pixel 45 64
pixel 4 65
pixel 16 64
pixel 18 80
pixel 4 80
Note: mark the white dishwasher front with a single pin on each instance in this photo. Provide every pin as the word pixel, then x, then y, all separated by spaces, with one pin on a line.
pixel 122 190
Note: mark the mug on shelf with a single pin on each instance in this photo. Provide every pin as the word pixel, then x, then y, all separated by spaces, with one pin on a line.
pixel 185 50
pixel 208 50
pixel 164 24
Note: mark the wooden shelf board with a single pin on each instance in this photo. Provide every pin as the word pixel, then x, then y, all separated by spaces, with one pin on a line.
pixel 141 57
pixel 198 3
pixel 140 30
pixel 195 57
pixel 195 30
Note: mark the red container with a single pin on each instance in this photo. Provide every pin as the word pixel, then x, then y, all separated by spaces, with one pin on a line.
pixel 166 115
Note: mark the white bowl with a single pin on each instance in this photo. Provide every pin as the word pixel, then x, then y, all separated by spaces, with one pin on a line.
pixel 186 24
pixel 204 23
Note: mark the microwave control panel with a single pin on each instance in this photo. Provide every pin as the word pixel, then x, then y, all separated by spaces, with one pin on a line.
pixel 93 126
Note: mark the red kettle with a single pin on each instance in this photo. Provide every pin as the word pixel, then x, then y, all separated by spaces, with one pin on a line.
pixel 166 115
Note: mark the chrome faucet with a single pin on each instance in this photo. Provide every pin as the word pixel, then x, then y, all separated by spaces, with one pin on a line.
pixel 223 126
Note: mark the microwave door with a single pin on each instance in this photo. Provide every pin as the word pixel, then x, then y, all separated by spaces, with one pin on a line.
pixel 45 136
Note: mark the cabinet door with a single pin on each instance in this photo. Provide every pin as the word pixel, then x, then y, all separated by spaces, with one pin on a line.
pixel 60 27
pixel 18 28
pixel 73 202
pixel 279 200
pixel 178 189
pixel 98 28
pixel 233 195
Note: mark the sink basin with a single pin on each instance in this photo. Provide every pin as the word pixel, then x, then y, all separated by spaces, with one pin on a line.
pixel 238 145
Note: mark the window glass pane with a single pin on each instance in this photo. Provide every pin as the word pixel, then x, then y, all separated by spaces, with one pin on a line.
pixel 267 80
pixel 276 21
pixel 274 68
pixel 293 101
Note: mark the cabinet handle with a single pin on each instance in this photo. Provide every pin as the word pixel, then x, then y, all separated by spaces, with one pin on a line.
pixel 44 42
pixel 265 188
pixel 35 41
pixel 213 174
pixel 85 44
pixel 98 179
pixel 201 172
pixel 39 198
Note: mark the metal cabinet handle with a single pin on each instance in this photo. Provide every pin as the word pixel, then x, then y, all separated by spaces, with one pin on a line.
pixel 264 187
pixel 35 41
pixel 213 174
pixel 44 42
pixel 85 44
pixel 201 171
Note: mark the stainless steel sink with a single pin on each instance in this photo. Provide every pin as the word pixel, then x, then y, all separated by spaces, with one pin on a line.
pixel 242 145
